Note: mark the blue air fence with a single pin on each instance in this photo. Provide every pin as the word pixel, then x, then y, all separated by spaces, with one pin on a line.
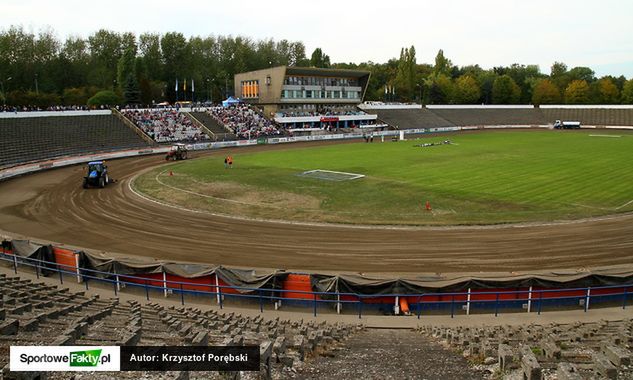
pixel 453 302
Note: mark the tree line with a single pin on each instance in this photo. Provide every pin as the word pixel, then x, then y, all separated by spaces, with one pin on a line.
pixel 107 67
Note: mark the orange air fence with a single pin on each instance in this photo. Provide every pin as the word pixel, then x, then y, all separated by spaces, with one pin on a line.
pixel 298 282
pixel 65 259
pixel 404 305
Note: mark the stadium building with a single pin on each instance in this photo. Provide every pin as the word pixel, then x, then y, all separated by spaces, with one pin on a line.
pixel 307 97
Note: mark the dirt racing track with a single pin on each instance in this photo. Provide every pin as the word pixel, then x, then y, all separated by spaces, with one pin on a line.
pixel 52 206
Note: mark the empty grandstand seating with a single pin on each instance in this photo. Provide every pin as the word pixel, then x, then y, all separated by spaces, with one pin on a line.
pixel 28 139
pixel 244 121
pixel 165 125
pixel 411 118
pixel 491 116
pixel 599 350
pixel 219 132
pixel 37 314
pixel 591 116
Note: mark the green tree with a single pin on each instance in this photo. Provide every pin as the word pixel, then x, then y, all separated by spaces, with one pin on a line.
pixel 104 98
pixel 149 46
pixel 558 75
pixel 176 56
pixel 505 90
pixel 577 92
pixel 581 73
pixel 405 76
pixel 607 92
pixel 466 90
pixel 131 90
pixel 627 92
pixel 440 90
pixel 443 65
pixel 319 59
pixel 545 92
pixel 106 48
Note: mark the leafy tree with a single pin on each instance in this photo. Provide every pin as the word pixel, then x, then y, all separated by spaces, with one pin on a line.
pixel 149 46
pixel 505 90
pixel 440 90
pixel 558 75
pixel 77 95
pixel 104 98
pixel 319 59
pixel 466 90
pixel 607 92
pixel 581 73
pixel 105 51
pixel 405 77
pixel 577 92
pixel 627 92
pixel 486 80
pixel 545 92
pixel 443 65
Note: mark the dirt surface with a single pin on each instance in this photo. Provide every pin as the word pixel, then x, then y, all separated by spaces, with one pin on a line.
pixel 389 354
pixel 52 206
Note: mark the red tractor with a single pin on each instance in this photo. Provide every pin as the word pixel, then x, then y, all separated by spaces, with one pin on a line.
pixel 177 152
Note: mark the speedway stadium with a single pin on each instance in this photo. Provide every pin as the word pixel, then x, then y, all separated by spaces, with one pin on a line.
pixel 333 209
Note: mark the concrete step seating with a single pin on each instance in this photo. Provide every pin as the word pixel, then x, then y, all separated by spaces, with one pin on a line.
pixel 40 138
pixel 600 350
pixel 33 313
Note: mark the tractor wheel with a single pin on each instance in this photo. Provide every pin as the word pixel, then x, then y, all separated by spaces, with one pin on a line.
pixel 101 182
pixel 167 158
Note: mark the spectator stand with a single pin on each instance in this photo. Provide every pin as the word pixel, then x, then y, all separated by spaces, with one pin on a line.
pixel 166 125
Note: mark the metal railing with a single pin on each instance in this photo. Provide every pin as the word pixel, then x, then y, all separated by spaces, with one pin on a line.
pixel 534 298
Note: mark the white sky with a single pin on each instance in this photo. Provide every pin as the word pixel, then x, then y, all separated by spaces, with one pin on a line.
pixel 598 34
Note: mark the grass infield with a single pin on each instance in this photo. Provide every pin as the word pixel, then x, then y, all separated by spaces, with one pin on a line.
pixel 482 178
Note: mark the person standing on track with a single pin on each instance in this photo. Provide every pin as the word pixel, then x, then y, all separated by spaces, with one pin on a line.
pixel 228 162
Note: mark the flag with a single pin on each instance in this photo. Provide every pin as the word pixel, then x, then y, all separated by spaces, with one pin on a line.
pixel 193 89
pixel 176 89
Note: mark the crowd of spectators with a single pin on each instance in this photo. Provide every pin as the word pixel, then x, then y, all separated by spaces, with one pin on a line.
pixel 16 109
pixel 322 111
pixel 165 125
pixel 245 121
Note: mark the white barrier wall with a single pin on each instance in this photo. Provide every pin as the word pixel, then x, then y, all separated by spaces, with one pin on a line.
pixel 13 115
pixel 35 167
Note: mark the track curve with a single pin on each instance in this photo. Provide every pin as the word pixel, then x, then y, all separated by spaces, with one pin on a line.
pixel 52 206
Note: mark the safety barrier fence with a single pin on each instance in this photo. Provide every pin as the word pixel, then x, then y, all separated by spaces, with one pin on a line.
pixel 481 300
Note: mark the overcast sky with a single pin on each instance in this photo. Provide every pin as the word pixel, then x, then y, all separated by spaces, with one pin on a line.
pixel 598 34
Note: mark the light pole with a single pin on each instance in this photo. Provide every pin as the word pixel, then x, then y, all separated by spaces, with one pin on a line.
pixel 4 94
pixel 420 86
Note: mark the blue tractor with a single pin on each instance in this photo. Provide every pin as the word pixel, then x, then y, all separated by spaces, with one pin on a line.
pixel 97 175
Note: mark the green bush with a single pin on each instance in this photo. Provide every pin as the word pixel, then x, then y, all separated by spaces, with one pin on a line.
pixel 104 98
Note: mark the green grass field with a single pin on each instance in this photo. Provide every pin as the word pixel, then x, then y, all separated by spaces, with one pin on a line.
pixel 483 178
